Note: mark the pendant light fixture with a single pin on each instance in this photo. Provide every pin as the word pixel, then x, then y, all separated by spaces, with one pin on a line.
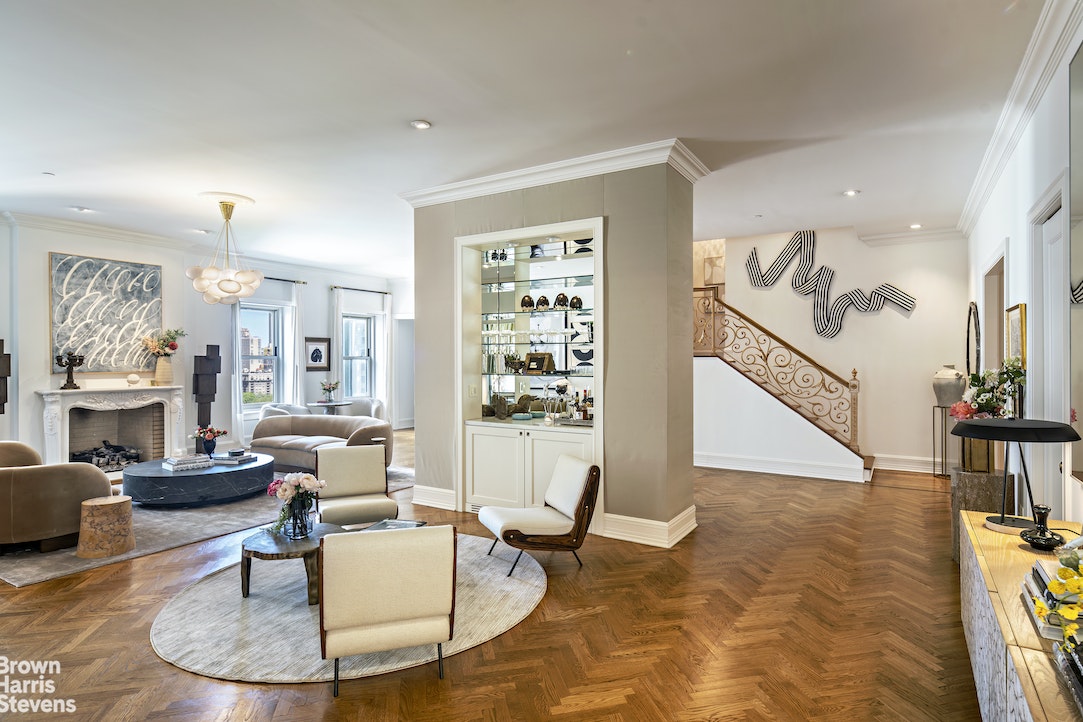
pixel 231 281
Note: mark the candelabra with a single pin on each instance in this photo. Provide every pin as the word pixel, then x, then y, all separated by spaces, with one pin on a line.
pixel 70 361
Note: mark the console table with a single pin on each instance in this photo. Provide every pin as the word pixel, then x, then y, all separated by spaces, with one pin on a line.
pixel 1013 666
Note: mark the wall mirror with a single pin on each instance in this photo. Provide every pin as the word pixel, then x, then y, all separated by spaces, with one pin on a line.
pixel 1075 206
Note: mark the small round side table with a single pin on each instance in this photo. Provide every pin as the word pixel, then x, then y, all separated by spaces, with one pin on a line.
pixel 105 527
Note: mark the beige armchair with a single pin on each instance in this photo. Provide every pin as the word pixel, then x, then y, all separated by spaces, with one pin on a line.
pixel 560 525
pixel 42 502
pixel 356 490
pixel 384 590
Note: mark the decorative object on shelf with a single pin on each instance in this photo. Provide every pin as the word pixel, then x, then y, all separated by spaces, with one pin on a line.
pixel 500 406
pixel 827 314
pixel 133 379
pixel 5 371
pixel 298 492
pixel 948 385
pixel 1015 333
pixel 126 299
pixel 536 251
pixel 542 304
pixel 207 437
pixel 1039 536
pixel 560 303
pixel 233 280
pixel 317 353
pixel 1062 607
pixel 527 303
pixel 1019 431
pixel 576 304
pixel 513 363
pixel 539 363
pixel 328 389
pixel 205 383
pixel 70 361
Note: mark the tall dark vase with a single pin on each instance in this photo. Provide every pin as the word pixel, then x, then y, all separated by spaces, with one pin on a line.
pixel 208 446
pixel 296 526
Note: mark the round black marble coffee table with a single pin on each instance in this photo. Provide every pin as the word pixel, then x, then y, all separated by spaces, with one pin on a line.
pixel 148 483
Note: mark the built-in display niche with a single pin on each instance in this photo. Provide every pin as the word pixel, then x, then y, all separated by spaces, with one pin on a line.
pixel 537 317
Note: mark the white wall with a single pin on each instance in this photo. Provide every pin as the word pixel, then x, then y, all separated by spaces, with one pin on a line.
pixel 895 353
pixel 28 316
pixel 1034 171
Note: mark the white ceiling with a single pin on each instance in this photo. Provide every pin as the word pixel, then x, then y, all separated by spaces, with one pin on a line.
pixel 136 107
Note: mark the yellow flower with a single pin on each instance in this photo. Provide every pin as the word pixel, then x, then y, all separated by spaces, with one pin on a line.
pixel 1067 573
pixel 1074 586
pixel 1070 630
pixel 1040 609
pixel 1057 586
pixel 1068 611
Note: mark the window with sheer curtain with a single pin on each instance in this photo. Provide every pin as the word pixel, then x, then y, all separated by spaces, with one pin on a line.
pixel 358 364
pixel 259 347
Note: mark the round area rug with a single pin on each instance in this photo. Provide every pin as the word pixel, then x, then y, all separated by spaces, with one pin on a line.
pixel 274 634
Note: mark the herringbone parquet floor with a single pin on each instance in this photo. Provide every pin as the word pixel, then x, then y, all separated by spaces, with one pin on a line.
pixel 794 599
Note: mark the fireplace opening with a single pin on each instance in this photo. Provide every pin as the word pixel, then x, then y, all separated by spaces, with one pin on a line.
pixel 108 457
pixel 117 437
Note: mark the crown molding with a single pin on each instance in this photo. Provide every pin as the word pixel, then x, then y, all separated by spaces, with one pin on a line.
pixel 1048 51
pixel 948 235
pixel 42 223
pixel 671 151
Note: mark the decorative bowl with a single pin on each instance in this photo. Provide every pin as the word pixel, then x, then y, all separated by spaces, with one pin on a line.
pixel 521 417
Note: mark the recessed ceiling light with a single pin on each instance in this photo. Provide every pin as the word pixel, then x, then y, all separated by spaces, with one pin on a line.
pixel 915 226
pixel 851 193
pixel 48 172
pixel 420 124
pixel 201 231
pixel 81 209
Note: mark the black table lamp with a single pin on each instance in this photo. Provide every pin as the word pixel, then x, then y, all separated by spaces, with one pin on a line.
pixel 1019 431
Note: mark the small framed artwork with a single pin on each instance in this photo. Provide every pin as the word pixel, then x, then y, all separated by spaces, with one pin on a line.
pixel 317 354
pixel 714 271
pixel 1015 333
pixel 539 363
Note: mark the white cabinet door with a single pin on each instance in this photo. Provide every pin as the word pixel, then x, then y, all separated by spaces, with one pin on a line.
pixel 542 450
pixel 494 467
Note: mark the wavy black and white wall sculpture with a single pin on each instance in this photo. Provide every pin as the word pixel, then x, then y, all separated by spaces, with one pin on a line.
pixel 826 315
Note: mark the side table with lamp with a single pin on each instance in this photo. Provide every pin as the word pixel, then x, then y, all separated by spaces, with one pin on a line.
pixel 1034 531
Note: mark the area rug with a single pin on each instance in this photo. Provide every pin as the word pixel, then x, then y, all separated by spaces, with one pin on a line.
pixel 156 529
pixel 274 634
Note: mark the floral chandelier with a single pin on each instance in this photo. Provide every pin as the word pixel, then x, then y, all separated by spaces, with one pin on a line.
pixel 231 281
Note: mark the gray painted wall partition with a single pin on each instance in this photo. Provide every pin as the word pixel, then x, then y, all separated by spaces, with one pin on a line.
pixel 648 327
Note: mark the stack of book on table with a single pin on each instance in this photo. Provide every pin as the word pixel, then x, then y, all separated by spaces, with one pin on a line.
pixel 187 463
pixel 1069 664
pixel 236 456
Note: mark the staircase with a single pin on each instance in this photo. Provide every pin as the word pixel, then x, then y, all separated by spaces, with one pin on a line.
pixel 823 398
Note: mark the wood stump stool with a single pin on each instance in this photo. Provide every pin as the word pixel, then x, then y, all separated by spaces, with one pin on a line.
pixel 105 527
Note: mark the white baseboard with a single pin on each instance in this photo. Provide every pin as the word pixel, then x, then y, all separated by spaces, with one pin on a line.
pixel 650 532
pixel 785 467
pixel 917 464
pixel 434 497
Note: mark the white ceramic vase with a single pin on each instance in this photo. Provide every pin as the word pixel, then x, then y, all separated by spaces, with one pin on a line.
pixel 948 385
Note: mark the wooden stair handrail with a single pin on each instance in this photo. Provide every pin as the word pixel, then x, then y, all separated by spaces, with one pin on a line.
pixel 821 396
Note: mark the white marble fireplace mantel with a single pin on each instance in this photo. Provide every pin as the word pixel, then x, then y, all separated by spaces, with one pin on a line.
pixel 59 401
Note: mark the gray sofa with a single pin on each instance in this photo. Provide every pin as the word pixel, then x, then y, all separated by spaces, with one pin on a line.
pixel 293 439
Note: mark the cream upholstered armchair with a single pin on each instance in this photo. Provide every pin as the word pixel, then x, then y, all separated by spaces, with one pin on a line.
pixel 560 525
pixel 383 590
pixel 356 490
pixel 42 502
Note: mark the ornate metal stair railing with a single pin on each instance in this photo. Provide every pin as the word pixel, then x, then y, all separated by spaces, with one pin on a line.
pixel 822 397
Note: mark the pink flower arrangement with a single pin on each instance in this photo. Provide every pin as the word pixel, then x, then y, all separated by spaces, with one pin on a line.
pixel 208 433
pixel 300 487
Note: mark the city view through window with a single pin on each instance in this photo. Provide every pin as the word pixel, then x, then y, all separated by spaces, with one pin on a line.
pixel 259 355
